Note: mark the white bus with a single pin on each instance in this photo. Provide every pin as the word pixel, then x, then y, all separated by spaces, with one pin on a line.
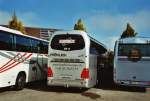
pixel 132 62
pixel 22 58
pixel 72 59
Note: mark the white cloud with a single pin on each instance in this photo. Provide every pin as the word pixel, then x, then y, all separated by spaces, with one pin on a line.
pixel 110 22
pixel 110 26
pixel 110 42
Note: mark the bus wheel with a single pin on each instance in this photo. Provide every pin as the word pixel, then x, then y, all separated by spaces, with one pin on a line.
pixel 20 81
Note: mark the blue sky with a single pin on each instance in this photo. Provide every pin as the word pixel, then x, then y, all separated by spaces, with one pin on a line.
pixel 105 20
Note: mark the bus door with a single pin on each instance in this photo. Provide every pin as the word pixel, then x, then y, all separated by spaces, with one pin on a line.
pixel 35 62
pixel 33 69
pixel 39 65
pixel 42 60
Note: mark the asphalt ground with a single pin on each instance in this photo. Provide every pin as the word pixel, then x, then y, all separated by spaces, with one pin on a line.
pixel 39 91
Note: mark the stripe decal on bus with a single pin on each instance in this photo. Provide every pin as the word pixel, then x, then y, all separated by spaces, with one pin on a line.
pixel 9 61
pixel 10 65
pixel 5 55
pixel 16 59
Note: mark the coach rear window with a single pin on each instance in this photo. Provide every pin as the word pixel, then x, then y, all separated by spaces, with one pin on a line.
pixel 67 42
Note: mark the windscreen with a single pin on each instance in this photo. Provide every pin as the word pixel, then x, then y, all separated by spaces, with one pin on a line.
pixel 67 42
pixel 134 50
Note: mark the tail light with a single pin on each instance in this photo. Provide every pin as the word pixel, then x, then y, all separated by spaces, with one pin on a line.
pixel 49 72
pixel 85 73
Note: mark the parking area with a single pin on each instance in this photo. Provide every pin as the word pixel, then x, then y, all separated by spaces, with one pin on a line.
pixel 38 91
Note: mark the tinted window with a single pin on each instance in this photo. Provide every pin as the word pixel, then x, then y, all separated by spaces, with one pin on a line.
pixel 35 46
pixel 93 49
pixel 44 49
pixel 126 49
pixel 67 42
pixel 39 46
pixel 6 41
pixel 23 44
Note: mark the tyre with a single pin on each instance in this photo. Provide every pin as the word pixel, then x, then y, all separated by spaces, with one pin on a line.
pixel 20 81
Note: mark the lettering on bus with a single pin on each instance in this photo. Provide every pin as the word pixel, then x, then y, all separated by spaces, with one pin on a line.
pixel 64 64
pixel 66 68
pixel 58 54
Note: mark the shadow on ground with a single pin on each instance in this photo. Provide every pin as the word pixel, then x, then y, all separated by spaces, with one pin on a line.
pixel 122 88
pixel 91 95
pixel 5 89
pixel 41 86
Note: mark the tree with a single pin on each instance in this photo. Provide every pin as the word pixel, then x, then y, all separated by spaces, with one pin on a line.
pixel 79 26
pixel 129 32
pixel 20 27
pixel 15 24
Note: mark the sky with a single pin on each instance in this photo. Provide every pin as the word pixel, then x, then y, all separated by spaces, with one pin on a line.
pixel 105 20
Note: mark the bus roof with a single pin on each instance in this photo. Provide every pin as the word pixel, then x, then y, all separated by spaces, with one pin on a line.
pixel 18 33
pixel 104 46
pixel 135 40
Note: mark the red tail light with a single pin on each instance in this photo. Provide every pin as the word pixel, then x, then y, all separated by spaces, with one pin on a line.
pixel 49 72
pixel 85 73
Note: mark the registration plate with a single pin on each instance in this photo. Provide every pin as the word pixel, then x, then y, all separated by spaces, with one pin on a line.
pixel 134 83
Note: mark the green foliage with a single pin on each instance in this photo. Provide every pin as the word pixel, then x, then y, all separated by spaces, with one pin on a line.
pixel 79 26
pixel 129 32
pixel 15 24
pixel 21 28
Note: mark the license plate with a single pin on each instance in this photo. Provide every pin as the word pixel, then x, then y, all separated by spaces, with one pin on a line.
pixel 134 83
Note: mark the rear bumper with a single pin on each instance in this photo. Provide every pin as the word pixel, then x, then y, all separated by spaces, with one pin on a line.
pixel 68 83
pixel 133 83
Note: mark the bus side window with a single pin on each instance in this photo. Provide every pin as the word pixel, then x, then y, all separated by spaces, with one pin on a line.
pixel 45 48
pixel 6 41
pixel 35 46
pixel 23 44
pixel 40 47
pixel 93 49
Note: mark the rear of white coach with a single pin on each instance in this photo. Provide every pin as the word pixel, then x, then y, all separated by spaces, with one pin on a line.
pixel 68 59
pixel 132 62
